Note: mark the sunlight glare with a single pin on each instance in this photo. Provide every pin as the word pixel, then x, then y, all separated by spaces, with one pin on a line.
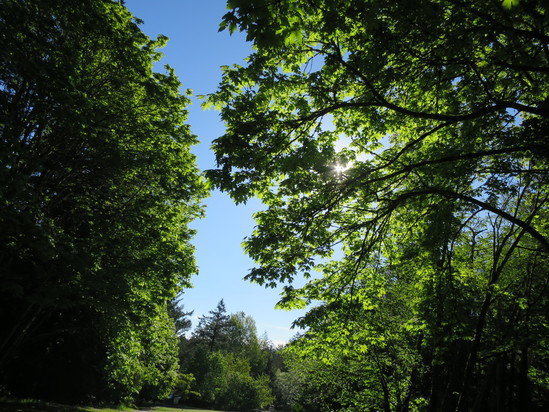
pixel 340 169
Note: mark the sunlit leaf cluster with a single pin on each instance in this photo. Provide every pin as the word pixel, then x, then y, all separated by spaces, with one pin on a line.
pixel 401 149
pixel 97 187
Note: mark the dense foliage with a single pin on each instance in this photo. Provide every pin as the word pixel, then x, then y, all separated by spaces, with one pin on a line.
pixel 402 151
pixel 228 363
pixel 97 186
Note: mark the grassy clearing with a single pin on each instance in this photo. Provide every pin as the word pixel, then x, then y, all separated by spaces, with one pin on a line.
pixel 35 406
pixel 7 405
pixel 153 409
pixel 163 409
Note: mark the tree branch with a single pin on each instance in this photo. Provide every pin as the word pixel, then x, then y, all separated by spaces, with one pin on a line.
pixel 484 205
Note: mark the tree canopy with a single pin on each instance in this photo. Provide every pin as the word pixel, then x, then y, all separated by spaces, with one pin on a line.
pixel 97 186
pixel 401 149
pixel 227 362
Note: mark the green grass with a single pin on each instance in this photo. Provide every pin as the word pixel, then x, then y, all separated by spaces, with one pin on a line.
pixel 8 405
pixel 35 406
pixel 153 409
pixel 162 409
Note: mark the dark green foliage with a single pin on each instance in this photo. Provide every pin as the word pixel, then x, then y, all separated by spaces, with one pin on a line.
pixel 228 362
pixel 212 330
pixel 401 150
pixel 177 313
pixel 97 185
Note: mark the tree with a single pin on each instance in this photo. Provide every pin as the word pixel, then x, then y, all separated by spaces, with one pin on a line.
pixel 231 386
pixel 97 186
pixel 401 150
pixel 228 362
pixel 180 317
pixel 213 329
pixel 244 341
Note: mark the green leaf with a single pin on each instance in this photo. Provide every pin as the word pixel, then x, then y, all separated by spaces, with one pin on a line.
pixel 510 3
pixel 436 235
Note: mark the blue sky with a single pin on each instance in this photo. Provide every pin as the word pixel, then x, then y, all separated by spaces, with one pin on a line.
pixel 196 50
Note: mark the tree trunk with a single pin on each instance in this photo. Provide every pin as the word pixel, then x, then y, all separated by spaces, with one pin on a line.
pixel 524 394
pixel 18 332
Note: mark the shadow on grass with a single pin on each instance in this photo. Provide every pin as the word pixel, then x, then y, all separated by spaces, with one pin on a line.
pixel 36 406
pixel 10 405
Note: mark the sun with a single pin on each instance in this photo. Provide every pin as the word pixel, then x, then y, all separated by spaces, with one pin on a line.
pixel 340 168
